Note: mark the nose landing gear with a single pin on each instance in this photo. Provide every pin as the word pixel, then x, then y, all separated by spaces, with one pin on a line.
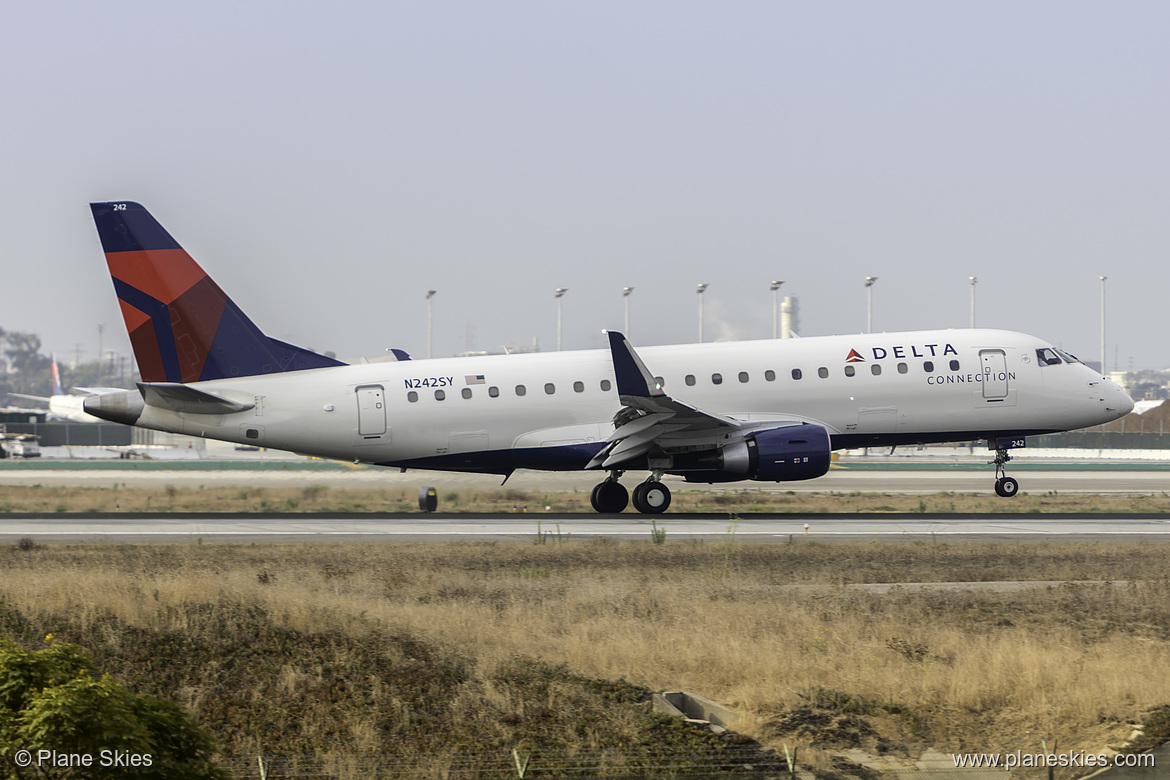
pixel 1004 485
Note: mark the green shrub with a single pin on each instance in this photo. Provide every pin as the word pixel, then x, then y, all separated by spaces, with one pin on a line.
pixel 50 701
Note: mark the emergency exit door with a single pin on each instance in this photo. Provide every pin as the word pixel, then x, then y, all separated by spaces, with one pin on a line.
pixel 371 401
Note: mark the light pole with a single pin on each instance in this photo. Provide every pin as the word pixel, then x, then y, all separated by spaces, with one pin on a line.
pixel 974 281
pixel 560 291
pixel 702 288
pixel 430 324
pixel 1103 371
pixel 775 288
pixel 101 331
pixel 626 297
pixel 869 280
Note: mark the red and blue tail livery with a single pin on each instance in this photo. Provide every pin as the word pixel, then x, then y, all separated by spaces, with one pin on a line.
pixel 182 326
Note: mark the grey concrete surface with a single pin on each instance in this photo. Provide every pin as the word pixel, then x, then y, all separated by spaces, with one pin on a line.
pixel 567 527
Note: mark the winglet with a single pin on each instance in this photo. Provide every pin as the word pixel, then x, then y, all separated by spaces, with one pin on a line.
pixel 661 416
pixel 633 378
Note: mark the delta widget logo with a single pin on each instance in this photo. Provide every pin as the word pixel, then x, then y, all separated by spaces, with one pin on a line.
pixel 902 351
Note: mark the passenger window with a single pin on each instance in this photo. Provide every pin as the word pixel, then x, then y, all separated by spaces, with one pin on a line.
pixel 954 365
pixel 903 368
pixel 467 392
pixel 743 377
pixel 717 379
pixel 928 367
pixel 850 370
pixel 770 375
pixel 797 373
pixel 605 385
pixel 823 372
pixel 412 397
pixel 440 395
pixel 578 387
pixel 550 388
pixel 494 391
pixel 661 382
pixel 875 369
pixel 1047 357
pixel 521 390
pixel 690 380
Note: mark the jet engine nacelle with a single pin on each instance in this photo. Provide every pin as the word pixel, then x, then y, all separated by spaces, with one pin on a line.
pixel 780 454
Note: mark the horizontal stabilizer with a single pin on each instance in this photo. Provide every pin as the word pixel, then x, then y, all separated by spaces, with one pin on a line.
pixel 96 390
pixel 188 400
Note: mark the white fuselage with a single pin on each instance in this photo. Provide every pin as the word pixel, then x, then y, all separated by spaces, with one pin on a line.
pixel 544 410
pixel 69 407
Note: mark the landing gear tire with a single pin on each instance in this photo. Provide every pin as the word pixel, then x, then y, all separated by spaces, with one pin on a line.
pixel 609 497
pixel 651 498
pixel 1006 487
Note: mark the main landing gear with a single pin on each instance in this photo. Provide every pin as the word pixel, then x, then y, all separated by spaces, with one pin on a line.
pixel 1004 485
pixel 651 497
pixel 609 497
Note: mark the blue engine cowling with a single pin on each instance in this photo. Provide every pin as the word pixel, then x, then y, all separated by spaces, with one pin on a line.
pixel 780 454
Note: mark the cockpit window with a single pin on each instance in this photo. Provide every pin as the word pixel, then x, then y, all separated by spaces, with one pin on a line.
pixel 1068 358
pixel 1048 356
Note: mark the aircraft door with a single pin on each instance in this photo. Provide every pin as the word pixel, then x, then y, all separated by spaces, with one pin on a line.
pixel 993 364
pixel 371 401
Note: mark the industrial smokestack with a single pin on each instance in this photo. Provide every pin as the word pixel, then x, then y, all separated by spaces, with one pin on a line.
pixel 789 317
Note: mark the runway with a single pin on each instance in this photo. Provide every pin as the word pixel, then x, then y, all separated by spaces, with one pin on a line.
pixel 564 528
pixel 1062 478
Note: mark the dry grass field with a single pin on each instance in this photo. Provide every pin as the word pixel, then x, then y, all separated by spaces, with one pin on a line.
pixel 451 649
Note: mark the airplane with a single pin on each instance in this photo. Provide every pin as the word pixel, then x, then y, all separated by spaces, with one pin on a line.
pixel 769 411
pixel 67 406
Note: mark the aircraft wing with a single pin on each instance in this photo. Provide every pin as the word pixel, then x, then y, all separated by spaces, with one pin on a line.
pixel 649 416
pixel 41 398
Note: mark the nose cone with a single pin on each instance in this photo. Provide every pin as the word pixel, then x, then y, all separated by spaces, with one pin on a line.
pixel 1118 403
pixel 1127 402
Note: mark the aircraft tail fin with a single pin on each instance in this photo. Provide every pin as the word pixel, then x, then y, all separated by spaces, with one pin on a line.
pixel 56 373
pixel 182 326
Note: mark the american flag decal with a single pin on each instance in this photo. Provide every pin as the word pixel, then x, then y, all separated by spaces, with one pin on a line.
pixel 473 379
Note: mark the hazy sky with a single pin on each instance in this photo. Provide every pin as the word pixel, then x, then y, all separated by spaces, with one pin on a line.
pixel 328 163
